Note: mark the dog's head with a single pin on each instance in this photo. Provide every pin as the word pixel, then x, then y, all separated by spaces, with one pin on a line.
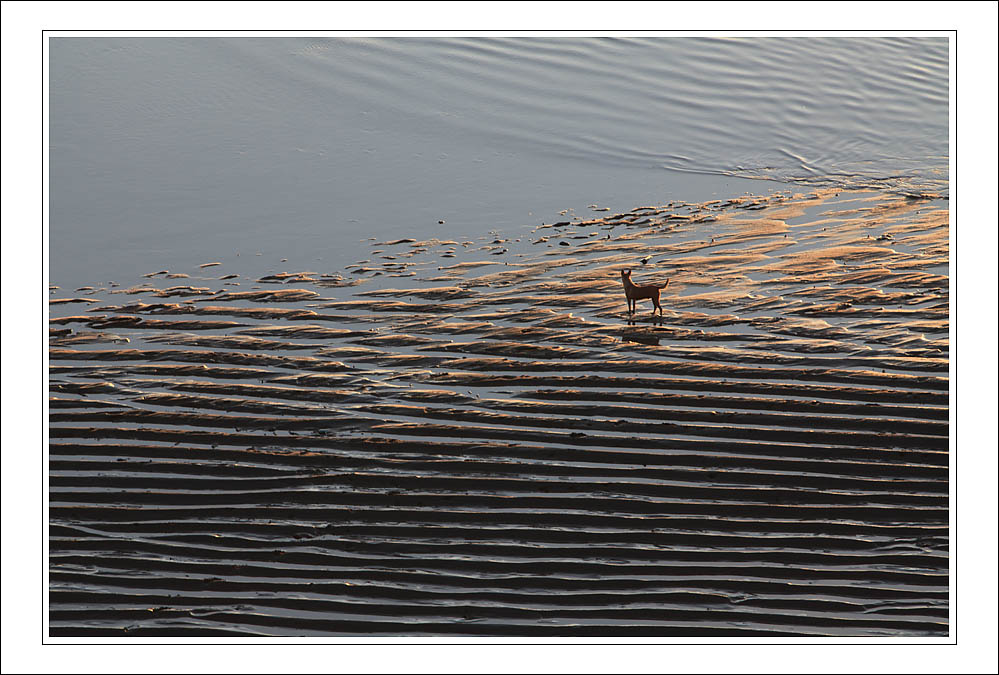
pixel 625 274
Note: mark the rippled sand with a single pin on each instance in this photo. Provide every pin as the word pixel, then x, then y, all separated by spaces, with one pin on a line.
pixel 475 438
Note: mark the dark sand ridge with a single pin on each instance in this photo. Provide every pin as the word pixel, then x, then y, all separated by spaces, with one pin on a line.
pixel 499 449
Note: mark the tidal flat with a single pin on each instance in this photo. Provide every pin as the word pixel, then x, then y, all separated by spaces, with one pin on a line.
pixel 474 437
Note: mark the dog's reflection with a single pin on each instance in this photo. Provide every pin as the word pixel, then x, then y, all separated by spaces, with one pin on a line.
pixel 633 321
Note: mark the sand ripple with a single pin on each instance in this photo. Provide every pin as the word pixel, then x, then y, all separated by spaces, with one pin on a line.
pixel 499 449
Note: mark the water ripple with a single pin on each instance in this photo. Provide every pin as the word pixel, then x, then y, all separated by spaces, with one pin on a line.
pixel 860 109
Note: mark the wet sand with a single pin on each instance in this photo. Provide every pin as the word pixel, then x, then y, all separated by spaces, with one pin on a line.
pixel 476 438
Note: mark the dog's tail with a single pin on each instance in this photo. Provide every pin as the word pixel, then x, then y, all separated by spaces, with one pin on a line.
pixel 664 285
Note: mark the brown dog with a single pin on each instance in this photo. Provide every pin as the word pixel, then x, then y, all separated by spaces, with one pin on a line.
pixel 635 293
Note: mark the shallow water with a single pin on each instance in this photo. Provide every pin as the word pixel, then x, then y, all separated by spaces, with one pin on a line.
pixel 439 428
pixel 170 152
pixel 507 452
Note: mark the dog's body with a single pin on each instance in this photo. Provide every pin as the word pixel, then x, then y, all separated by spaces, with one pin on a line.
pixel 635 293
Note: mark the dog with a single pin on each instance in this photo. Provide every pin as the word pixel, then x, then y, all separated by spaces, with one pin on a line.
pixel 635 293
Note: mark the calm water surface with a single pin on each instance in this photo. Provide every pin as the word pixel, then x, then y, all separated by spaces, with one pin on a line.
pixel 169 152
